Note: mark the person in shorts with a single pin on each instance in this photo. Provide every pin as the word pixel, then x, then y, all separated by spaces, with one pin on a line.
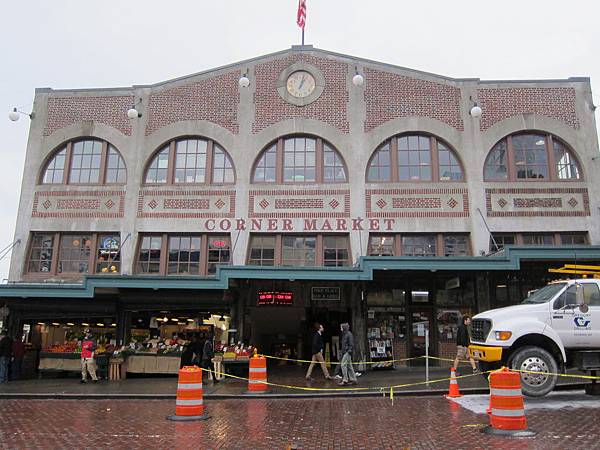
pixel 462 344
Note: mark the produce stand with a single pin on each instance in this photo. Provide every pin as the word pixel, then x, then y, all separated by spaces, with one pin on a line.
pixel 153 363
pixel 69 362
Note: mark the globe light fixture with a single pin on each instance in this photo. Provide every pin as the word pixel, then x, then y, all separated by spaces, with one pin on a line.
pixel 244 81
pixel 15 114
pixel 476 111
pixel 133 113
pixel 358 79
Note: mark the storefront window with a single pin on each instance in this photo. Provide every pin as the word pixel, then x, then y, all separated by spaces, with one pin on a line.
pixel 381 245
pixel 499 241
pixel 108 258
pixel 262 251
pixel 298 251
pixel 74 253
pixel 386 327
pixel 538 239
pixel 573 238
pixel 419 245
pixel 184 255
pixel 149 255
pixel 40 256
pixel 335 251
pixel 219 252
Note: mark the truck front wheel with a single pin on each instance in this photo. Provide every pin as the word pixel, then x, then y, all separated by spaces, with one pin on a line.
pixel 535 364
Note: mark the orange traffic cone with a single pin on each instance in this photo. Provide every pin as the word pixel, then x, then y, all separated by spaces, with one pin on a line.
pixel 453 391
pixel 189 404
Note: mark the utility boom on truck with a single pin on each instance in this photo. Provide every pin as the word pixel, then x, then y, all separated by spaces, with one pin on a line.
pixel 555 328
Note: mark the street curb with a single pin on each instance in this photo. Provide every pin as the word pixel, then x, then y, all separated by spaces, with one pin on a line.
pixel 333 394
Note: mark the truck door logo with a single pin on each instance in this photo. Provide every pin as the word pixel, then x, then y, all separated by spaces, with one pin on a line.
pixel 582 322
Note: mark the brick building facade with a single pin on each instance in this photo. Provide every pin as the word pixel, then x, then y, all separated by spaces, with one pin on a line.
pixel 387 191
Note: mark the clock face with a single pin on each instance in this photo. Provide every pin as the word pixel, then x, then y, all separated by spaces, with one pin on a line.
pixel 300 84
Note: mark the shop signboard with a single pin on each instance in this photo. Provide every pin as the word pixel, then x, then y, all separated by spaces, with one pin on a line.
pixel 326 293
pixel 265 298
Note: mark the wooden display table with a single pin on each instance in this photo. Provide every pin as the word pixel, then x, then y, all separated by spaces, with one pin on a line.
pixel 117 369
pixel 153 363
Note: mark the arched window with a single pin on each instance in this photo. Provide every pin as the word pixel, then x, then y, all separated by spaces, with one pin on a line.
pixel 415 157
pixel 300 159
pixel 89 161
pixel 191 160
pixel 531 156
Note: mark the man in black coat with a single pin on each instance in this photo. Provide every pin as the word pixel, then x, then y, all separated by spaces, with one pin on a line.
pixel 348 375
pixel 317 353
pixel 462 344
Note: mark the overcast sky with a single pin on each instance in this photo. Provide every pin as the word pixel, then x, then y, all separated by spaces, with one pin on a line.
pixel 93 43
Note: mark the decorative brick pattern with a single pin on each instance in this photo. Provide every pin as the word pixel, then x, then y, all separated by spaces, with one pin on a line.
pixel 111 111
pixel 330 107
pixel 417 202
pixel 536 202
pixel 215 100
pixel 390 96
pixel 299 203
pixel 501 103
pixel 185 204
pixel 79 204
pixel 542 202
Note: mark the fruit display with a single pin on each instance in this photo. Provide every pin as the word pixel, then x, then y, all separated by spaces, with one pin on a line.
pixel 67 347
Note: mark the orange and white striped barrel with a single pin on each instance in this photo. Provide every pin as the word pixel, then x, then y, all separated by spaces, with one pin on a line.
pixel 189 400
pixel 257 374
pixel 507 409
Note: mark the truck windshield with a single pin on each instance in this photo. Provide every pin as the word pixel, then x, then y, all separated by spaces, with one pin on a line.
pixel 545 294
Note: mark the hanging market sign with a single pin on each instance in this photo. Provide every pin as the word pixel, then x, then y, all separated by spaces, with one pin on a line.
pixel 325 293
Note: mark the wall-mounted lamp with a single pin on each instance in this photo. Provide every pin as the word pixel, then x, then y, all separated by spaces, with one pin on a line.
pixel 357 79
pixel 244 81
pixel 15 114
pixel 133 113
pixel 476 110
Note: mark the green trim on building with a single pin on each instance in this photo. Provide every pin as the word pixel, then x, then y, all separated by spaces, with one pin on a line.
pixel 509 259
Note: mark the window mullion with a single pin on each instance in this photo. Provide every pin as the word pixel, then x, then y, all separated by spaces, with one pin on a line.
pixel 319 257
pixel 510 160
pixel 278 250
pixel 434 159
pixel 319 162
pixel 278 162
pixel 55 255
pixel 552 169
pixel 171 169
pixel 103 163
pixel 441 248
pixel 93 251
pixel 394 159
pixel 208 170
pixel 164 250
pixel 67 171
pixel 204 255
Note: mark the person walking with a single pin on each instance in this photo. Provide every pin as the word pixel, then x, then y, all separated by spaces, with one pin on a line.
pixel 88 362
pixel 462 344
pixel 207 355
pixel 5 354
pixel 317 353
pixel 348 375
pixel 18 353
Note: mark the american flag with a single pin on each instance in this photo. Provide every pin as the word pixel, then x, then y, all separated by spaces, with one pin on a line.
pixel 301 17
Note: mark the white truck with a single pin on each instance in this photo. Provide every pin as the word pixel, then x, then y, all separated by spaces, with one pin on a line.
pixel 555 328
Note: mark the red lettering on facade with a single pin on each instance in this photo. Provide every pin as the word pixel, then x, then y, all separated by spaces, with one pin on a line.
pixel 341 225
pixel 357 224
pixel 326 226
pixel 389 223
pixel 310 224
pixel 272 225
pixel 240 224
pixel 287 225
pixel 374 224
pixel 225 225
pixel 256 224
pixel 210 224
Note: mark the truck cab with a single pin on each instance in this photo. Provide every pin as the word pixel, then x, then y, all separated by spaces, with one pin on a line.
pixel 541 335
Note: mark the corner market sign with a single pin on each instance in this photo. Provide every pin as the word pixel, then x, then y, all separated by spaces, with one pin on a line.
pixel 268 224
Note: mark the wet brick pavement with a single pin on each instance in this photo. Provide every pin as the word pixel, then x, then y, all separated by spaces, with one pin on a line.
pixel 344 423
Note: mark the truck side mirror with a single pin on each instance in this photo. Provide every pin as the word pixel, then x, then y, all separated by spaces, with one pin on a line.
pixel 583 307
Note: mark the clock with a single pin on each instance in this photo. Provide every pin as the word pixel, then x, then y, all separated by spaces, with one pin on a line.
pixel 300 84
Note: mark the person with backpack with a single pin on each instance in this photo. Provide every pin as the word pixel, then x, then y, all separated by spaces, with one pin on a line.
pixel 5 355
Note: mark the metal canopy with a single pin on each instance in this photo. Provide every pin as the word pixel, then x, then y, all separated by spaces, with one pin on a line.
pixel 509 259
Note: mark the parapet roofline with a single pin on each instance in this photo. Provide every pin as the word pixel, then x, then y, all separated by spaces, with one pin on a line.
pixel 310 48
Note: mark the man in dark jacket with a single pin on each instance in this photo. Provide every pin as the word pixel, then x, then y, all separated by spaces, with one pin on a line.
pixel 348 375
pixel 317 353
pixel 5 355
pixel 462 344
